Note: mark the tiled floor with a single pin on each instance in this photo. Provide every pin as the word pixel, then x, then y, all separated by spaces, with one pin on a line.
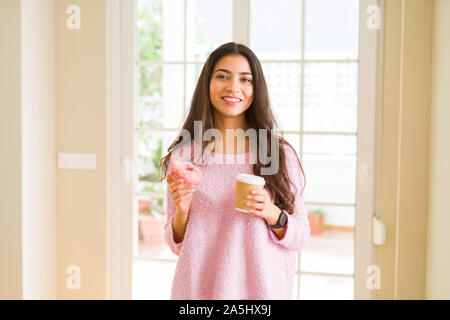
pixel 329 252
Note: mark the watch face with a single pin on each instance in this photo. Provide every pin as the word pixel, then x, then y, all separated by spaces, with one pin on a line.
pixel 283 219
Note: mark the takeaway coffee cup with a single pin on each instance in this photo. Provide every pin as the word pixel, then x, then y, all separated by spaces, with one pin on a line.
pixel 244 184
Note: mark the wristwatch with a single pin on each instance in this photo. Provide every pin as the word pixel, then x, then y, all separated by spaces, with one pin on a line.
pixel 281 220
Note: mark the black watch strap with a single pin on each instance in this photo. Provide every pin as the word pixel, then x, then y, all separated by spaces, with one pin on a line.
pixel 281 219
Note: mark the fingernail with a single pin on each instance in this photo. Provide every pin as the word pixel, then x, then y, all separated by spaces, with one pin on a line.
pixel 249 197
pixel 253 191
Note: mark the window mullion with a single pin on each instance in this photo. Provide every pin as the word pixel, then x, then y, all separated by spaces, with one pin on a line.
pixel 241 21
pixel 302 92
pixel 185 57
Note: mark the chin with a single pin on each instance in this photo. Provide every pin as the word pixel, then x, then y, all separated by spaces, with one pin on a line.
pixel 234 112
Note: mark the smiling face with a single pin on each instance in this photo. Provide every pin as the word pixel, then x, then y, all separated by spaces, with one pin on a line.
pixel 231 86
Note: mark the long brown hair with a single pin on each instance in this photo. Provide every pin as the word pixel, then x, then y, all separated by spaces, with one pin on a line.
pixel 259 116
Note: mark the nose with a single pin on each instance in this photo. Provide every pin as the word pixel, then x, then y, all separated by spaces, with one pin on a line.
pixel 233 85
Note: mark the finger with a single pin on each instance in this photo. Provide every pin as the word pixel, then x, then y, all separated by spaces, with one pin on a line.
pixel 251 206
pixel 176 184
pixel 256 205
pixel 169 178
pixel 183 187
pixel 257 198
pixel 172 178
pixel 181 193
pixel 255 192
pixel 254 212
pixel 177 196
pixel 173 183
pixel 194 188
pixel 180 197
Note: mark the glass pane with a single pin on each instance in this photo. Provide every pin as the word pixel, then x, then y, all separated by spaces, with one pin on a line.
pixel 160 30
pixel 331 97
pixel 283 82
pixel 149 38
pixel 209 25
pixel 334 217
pixel 275 29
pixel 331 246
pixel 152 280
pixel 152 146
pixel 193 73
pixel 329 162
pixel 294 140
pixel 295 293
pixel 317 287
pixel 151 195
pixel 151 220
pixel 161 96
pixel 331 29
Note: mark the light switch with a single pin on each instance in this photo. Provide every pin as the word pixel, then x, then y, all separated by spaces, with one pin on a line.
pixel 80 161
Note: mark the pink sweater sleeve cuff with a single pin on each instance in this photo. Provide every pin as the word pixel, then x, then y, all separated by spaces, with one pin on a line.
pixel 174 246
pixel 168 228
pixel 298 229
pixel 296 235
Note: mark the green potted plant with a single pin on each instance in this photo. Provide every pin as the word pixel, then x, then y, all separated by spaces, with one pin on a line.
pixel 316 221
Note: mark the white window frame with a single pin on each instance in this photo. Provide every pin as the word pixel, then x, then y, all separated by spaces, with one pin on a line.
pixel 368 146
pixel 121 84
pixel 121 124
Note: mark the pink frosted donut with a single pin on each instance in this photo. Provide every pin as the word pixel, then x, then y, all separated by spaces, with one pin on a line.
pixel 186 171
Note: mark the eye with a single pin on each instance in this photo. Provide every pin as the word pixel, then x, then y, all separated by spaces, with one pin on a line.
pixel 246 80
pixel 221 76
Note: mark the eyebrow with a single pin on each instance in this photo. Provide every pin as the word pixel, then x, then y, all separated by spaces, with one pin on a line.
pixel 226 71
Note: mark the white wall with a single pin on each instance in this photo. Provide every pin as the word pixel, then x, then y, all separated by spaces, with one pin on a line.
pixel 38 151
pixel 80 127
pixel 438 236
pixel 10 150
pixel 404 147
pixel 27 166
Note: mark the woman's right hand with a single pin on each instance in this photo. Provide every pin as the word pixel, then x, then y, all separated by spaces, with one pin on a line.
pixel 181 193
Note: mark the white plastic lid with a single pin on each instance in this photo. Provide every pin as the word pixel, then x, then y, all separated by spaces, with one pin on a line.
pixel 250 179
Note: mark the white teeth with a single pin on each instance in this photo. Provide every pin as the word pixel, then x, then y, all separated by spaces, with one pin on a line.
pixel 231 99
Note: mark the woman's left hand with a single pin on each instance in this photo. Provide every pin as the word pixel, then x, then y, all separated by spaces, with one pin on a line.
pixel 260 205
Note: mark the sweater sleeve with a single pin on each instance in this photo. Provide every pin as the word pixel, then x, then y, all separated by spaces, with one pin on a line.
pixel 168 228
pixel 298 229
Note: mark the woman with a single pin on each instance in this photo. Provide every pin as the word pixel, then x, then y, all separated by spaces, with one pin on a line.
pixel 224 253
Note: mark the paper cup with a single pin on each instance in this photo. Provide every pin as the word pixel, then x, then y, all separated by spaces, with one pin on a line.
pixel 244 184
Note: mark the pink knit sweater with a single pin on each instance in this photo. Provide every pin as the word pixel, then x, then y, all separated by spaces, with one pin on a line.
pixel 228 254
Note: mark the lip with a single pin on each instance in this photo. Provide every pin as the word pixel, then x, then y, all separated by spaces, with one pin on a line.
pixel 231 103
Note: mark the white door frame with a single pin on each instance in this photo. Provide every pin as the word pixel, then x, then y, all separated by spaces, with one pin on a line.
pixel 121 112
pixel 369 123
pixel 120 147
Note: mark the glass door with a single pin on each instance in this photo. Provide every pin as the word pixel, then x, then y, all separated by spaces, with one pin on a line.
pixel 316 70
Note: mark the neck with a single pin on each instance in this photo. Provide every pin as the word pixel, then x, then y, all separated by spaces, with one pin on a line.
pixel 231 124
pixel 223 124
